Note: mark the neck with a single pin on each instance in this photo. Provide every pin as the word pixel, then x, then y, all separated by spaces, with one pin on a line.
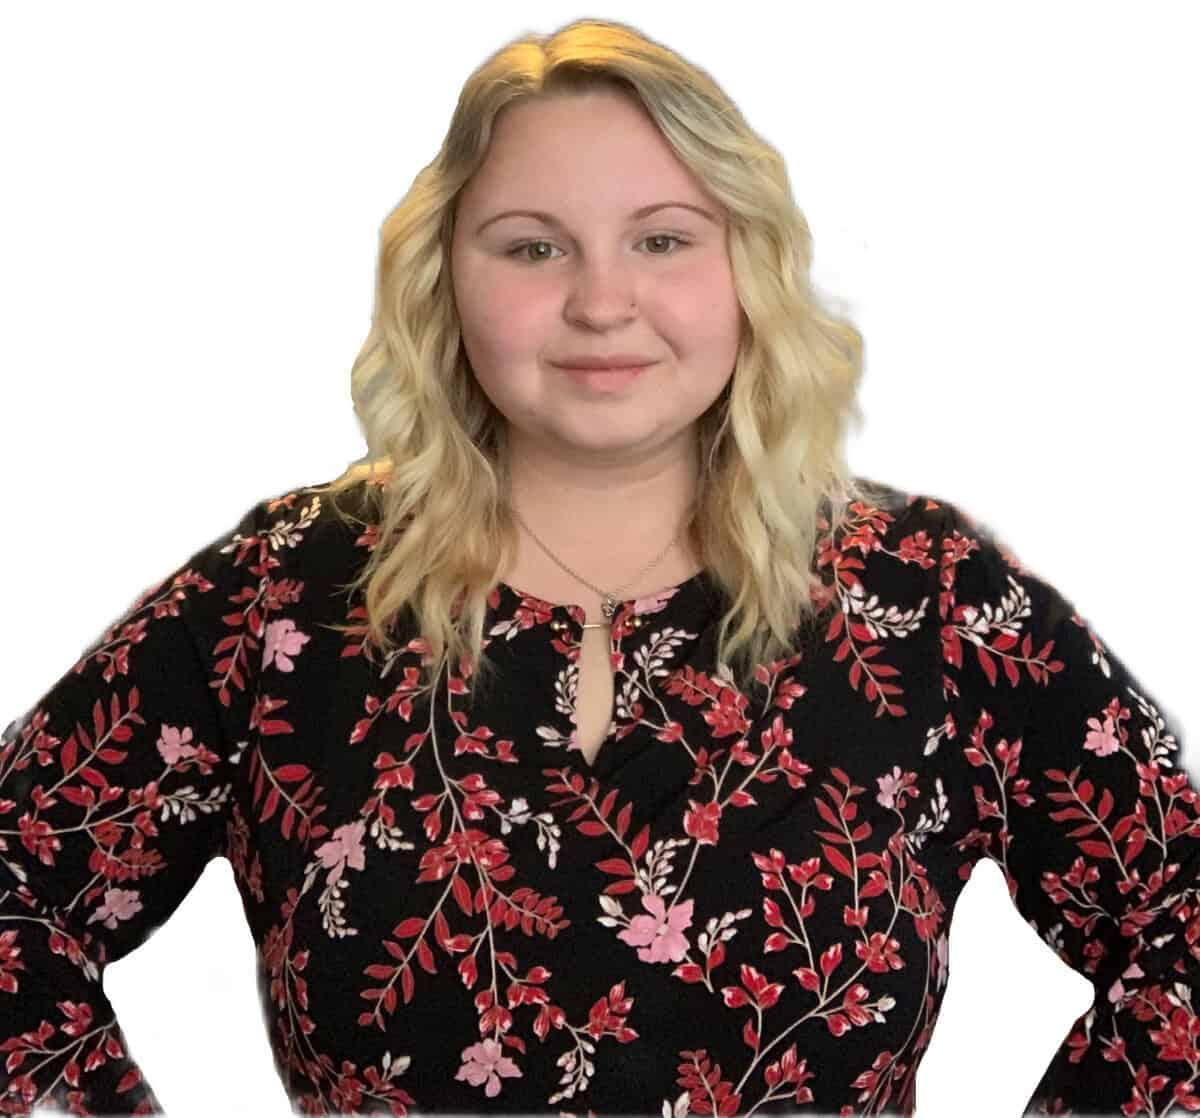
pixel 633 507
pixel 640 532
pixel 607 527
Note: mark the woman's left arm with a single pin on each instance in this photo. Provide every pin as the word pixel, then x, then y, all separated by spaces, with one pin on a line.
pixel 1078 793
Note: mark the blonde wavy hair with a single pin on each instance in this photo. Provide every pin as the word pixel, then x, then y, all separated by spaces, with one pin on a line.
pixel 772 474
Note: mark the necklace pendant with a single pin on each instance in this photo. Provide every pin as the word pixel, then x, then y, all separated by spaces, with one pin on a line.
pixel 609 606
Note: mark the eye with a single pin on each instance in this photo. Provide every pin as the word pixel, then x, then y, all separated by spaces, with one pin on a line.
pixel 652 237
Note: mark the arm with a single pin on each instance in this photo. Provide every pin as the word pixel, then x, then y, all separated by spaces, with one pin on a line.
pixel 114 790
pixel 1067 775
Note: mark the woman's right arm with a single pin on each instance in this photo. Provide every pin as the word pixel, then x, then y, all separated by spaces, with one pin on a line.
pixel 114 793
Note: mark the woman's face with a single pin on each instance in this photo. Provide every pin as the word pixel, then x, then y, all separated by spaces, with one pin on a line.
pixel 601 281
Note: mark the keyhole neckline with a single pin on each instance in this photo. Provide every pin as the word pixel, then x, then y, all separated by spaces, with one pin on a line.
pixel 576 612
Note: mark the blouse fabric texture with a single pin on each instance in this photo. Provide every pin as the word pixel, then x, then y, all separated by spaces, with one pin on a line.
pixel 740 907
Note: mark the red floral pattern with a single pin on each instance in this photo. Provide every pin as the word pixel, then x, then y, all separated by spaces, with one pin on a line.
pixel 740 907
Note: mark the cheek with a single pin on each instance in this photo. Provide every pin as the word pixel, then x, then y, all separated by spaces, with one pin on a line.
pixel 492 304
pixel 718 299
pixel 701 300
pixel 509 320
pixel 723 326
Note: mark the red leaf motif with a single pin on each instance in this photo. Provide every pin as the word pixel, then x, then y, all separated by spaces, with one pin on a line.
pixel 770 995
pixel 98 722
pixel 270 806
pixel 830 958
pixel 617 867
pixel 623 817
pixel 827 813
pixel 462 894
pixel 406 929
pixel 989 669
pixel 291 773
pixel 837 1024
pixel 837 860
pixel 626 885
pixel 808 977
pixel 128 1081
pixel 80 797
pixel 735 997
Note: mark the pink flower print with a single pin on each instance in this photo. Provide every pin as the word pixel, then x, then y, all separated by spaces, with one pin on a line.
pixel 654 603
pixel 282 641
pixel 1101 740
pixel 1117 990
pixel 174 745
pixel 894 786
pixel 345 848
pixel 888 783
pixel 485 1062
pixel 659 937
pixel 119 904
pixel 942 958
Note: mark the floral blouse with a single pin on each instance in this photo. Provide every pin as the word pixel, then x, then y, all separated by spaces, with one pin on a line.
pixel 741 907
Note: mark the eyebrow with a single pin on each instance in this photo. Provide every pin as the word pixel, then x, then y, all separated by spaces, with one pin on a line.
pixel 637 215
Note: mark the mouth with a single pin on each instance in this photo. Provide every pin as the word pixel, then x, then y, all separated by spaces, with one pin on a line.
pixel 604 379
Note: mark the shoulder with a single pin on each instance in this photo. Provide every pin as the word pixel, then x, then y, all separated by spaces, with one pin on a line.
pixel 922 552
pixel 312 519
pixel 884 531
pixel 290 546
pixel 316 536
pixel 947 531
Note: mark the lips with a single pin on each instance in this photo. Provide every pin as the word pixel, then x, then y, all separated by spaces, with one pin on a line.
pixel 601 369
pixel 605 380
pixel 614 361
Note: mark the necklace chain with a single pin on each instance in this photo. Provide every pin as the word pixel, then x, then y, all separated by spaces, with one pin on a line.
pixel 610 600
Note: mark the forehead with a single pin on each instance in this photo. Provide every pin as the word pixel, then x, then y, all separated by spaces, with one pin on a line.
pixel 595 152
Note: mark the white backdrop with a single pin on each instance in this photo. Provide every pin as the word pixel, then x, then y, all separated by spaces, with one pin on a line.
pixel 1003 198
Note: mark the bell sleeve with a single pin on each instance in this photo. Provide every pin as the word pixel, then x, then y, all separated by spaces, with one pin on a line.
pixel 114 794
pixel 1066 773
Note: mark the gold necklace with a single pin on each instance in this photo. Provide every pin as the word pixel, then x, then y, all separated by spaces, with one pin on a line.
pixel 610 600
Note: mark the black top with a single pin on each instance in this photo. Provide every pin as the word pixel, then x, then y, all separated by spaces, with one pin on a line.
pixel 741 907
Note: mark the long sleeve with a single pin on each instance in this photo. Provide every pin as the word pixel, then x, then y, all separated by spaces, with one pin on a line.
pixel 1063 770
pixel 114 789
